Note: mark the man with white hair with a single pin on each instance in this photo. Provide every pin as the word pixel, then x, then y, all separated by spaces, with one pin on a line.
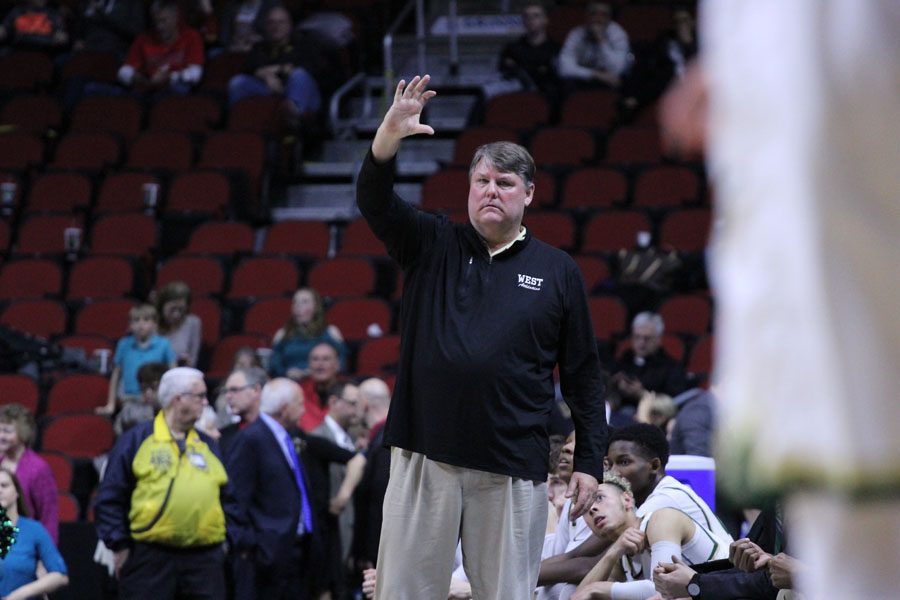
pixel 163 503
pixel 646 366
pixel 270 463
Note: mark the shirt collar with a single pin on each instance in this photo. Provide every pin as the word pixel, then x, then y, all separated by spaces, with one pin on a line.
pixel 506 247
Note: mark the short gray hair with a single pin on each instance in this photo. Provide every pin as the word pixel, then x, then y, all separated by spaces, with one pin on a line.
pixel 507 157
pixel 376 392
pixel 277 393
pixel 176 381
pixel 650 318
pixel 253 375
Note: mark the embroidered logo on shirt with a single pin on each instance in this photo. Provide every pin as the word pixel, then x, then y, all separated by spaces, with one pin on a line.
pixel 530 283
pixel 161 460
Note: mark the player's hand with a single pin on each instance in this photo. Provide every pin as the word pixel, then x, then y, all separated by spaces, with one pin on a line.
pixel 747 556
pixel 582 488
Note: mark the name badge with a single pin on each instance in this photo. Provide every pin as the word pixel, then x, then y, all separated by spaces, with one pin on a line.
pixel 197 460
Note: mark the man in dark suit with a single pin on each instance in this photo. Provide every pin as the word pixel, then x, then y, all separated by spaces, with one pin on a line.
pixel 242 391
pixel 276 471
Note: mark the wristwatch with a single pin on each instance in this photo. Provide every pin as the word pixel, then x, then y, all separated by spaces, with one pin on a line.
pixel 693 586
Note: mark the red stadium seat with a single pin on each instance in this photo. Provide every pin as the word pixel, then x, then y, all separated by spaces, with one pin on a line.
pixel 204 275
pixel 594 270
pixel 298 238
pixel 634 145
pixel 44 234
pixel 20 389
pixel 702 354
pixel 32 114
pixel 210 313
pixel 686 230
pixel 25 71
pixel 242 152
pixel 593 109
pixel 553 227
pixel 595 187
pixel 30 278
pixel 267 316
pixel 446 190
pixel 124 192
pixel 219 70
pixel 562 146
pixel 61 467
pixel 221 238
pixel 59 192
pixel 108 318
pixel 79 393
pixel 354 316
pixel 194 113
pixel 90 343
pixel 100 277
pixel 223 354
pixel 69 508
pixel 611 231
pixel 343 277
pixel 124 234
pixel 690 314
pixel 20 151
pixel 666 186
pixel 199 193
pixel 87 151
pixel 608 316
pixel 110 114
pixel 518 110
pixel 358 240
pixel 259 277
pixel 78 436
pixel 92 65
pixel 473 137
pixel 378 356
pixel 258 114
pixel 161 150
pixel 43 318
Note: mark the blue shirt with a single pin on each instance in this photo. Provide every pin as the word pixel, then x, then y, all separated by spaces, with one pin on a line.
pixel 32 544
pixel 130 356
pixel 293 352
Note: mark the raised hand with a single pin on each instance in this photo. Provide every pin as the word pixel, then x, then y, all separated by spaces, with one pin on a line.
pixel 403 117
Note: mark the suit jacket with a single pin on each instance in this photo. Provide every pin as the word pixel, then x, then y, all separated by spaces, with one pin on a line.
pixel 369 499
pixel 264 484
pixel 336 473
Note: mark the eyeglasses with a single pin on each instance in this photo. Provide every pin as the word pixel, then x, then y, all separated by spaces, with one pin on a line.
pixel 348 400
pixel 236 389
pixel 198 395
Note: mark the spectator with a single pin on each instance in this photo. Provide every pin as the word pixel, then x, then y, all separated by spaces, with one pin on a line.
pixel 243 24
pixel 667 59
pixel 167 60
pixel 34 24
pixel 646 366
pixel 370 493
pixel 109 26
pixel 324 368
pixel 246 357
pixel 531 59
pixel 183 329
pixel 285 505
pixel 201 16
pixel 656 409
pixel 305 328
pixel 694 423
pixel 20 576
pixel 164 501
pixel 132 351
pixel 38 487
pixel 133 413
pixel 242 393
pixel 278 65
pixel 596 53
pixel 343 400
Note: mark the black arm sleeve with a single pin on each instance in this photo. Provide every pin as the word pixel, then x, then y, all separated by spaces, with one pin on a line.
pixel 734 584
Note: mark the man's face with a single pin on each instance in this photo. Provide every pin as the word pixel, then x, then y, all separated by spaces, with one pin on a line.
pixel 534 18
pixel 165 22
pixel 344 409
pixel 599 15
pixel 606 517
pixel 566 455
pixel 293 410
pixel 278 25
pixel 323 363
pixel 645 340
pixel 142 327
pixel 188 405
pixel 240 396
pixel 497 200
pixel 626 460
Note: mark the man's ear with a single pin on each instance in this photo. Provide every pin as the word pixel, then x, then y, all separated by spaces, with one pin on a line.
pixel 529 195
pixel 655 465
pixel 628 500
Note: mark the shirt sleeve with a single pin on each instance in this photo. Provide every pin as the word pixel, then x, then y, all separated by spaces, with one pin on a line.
pixel 568 57
pixel 580 378
pixel 119 356
pixel 328 451
pixel 405 231
pixel 44 498
pixel 47 552
pixel 618 48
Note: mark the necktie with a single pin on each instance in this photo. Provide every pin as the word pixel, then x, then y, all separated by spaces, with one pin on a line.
pixel 305 510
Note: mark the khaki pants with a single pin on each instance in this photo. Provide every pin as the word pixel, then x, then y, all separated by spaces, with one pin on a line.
pixel 429 506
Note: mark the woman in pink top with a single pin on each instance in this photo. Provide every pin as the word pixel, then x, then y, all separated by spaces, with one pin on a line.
pixel 17 430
